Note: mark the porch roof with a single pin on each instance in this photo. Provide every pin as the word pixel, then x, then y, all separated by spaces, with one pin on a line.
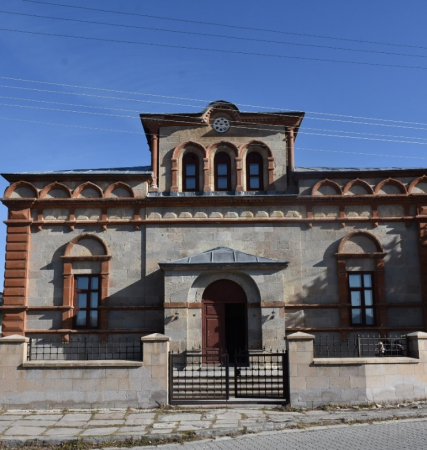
pixel 222 256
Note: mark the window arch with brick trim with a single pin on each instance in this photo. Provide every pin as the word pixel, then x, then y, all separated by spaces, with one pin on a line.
pixel 86 259
pixel 21 189
pixel 360 261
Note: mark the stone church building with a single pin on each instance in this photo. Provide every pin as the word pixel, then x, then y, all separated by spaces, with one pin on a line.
pixel 222 242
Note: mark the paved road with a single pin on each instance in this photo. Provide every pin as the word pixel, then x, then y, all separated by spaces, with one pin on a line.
pixel 402 435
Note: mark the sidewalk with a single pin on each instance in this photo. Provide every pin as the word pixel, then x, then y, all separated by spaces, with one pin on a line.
pixel 143 427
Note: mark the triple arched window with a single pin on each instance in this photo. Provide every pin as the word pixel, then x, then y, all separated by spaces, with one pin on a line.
pixel 222 176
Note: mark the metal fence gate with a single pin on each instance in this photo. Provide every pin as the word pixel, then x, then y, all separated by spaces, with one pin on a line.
pixel 260 375
pixel 209 375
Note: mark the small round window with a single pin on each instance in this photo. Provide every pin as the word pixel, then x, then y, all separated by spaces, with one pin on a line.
pixel 221 124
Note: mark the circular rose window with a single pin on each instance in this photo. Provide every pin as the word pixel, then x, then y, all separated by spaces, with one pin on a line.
pixel 221 125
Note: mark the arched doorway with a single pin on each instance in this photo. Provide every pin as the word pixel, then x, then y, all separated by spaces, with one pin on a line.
pixel 224 317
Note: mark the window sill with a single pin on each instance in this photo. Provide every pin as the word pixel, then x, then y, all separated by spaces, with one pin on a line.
pixel 361 361
pixel 73 364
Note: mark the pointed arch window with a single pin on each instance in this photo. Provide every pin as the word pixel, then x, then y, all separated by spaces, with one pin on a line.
pixel 222 164
pixel 254 172
pixel 190 175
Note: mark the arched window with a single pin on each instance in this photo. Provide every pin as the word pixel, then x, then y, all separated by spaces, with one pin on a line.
pixel 254 171
pixel 222 164
pixel 190 173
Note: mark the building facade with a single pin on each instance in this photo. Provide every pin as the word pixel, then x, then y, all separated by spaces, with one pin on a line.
pixel 221 242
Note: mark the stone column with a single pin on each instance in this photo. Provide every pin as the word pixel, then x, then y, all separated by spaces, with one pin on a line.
pixel 13 350
pixel 155 353
pixel 300 350
pixel 418 345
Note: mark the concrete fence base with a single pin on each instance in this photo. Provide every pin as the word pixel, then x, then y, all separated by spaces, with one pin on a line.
pixel 121 384
pixel 319 381
pixel 83 384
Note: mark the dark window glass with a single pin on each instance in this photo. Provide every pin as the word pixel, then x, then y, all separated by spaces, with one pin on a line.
pixel 222 163
pixel 361 298
pixel 190 172
pixel 254 172
pixel 86 301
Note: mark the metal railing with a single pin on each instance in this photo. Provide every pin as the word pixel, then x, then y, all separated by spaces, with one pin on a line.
pixel 360 347
pixel 83 349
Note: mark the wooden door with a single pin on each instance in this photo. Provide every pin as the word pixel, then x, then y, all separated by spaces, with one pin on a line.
pixel 217 315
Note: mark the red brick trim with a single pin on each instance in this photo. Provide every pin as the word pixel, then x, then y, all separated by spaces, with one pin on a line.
pixel 379 282
pixel 55 185
pixel 327 182
pixel 358 182
pixel 8 192
pixel 393 182
pixel 422 246
pixel 88 184
pixel 175 169
pixel 119 184
pixel 68 288
pixel 227 144
pixel 16 278
pixel 422 179
pixel 370 236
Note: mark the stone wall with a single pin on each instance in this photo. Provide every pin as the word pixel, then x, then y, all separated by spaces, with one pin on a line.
pixel 83 384
pixel 319 381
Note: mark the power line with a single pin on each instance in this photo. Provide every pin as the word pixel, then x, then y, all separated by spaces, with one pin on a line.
pixel 235 126
pixel 69 125
pixel 193 33
pixel 137 111
pixel 360 153
pixel 169 103
pixel 228 26
pixel 199 100
pixel 215 50
pixel 135 132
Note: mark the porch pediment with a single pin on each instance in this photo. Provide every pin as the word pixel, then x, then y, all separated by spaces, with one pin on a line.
pixel 223 257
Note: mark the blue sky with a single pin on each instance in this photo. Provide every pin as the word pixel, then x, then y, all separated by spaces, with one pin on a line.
pixel 172 76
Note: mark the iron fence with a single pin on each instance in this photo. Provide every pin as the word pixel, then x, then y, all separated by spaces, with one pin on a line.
pixel 360 347
pixel 199 375
pixel 83 349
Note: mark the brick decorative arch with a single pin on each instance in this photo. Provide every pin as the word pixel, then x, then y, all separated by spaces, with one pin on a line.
pixel 83 186
pixel 55 185
pixel 8 192
pixel 392 182
pixel 358 182
pixel 68 292
pixel 119 184
pixel 327 182
pixel 369 236
pixel 270 160
pixel 210 154
pixel 379 279
pixel 179 150
pixel 422 179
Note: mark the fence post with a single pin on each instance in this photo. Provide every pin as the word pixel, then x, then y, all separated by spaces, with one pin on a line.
pixel 227 375
pixel 359 349
pixel 156 360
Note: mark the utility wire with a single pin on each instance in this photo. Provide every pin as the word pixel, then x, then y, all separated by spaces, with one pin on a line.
pixel 249 123
pixel 180 122
pixel 193 33
pixel 168 103
pixel 239 27
pixel 215 50
pixel 199 100
pixel 135 132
